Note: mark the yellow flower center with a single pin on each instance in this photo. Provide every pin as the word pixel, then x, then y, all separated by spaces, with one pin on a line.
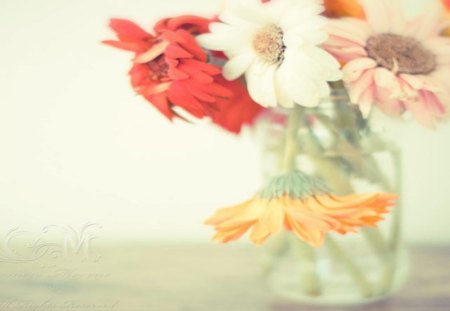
pixel 268 44
pixel 401 54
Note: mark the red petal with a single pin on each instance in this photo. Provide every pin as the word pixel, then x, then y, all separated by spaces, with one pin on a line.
pixel 216 89
pixel 177 74
pixel 196 74
pixel 139 74
pixel 162 104
pixel 172 36
pixel 128 45
pixel 181 97
pixel 236 112
pixel 129 29
pixel 175 51
pixel 200 94
pixel 208 68
pixel 191 23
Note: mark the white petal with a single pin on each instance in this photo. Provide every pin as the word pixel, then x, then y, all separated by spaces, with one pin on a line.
pixel 298 14
pixel 328 67
pixel 249 11
pixel 239 64
pixel 276 9
pixel 261 83
pixel 324 89
pixel 217 42
pixel 315 34
pixel 284 100
pixel 297 84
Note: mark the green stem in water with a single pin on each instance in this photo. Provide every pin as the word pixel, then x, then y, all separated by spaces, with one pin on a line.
pixel 395 237
pixel 332 174
pixel 305 253
pixel 385 251
pixel 308 266
pixel 277 247
pixel 291 140
pixel 358 277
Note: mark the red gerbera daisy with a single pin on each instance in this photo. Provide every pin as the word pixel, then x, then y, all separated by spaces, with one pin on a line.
pixel 170 69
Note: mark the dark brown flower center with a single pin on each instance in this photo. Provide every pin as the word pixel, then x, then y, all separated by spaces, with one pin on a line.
pixel 268 44
pixel 159 69
pixel 401 54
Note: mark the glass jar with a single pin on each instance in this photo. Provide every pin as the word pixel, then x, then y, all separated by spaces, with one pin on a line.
pixel 352 155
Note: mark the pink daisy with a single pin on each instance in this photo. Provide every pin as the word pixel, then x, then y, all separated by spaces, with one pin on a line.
pixel 395 64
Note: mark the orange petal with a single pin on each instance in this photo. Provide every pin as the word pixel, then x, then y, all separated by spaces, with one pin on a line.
pixel 226 213
pixel 273 216
pixel 309 234
pixel 259 234
pixel 353 211
pixel 232 235
pixel 245 213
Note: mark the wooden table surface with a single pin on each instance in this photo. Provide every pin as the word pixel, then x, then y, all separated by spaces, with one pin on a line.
pixel 187 278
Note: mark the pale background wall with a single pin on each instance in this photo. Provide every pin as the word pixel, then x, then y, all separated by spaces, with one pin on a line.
pixel 77 145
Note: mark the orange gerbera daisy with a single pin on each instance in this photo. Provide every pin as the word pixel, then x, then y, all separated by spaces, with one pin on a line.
pixel 343 8
pixel 302 204
pixel 446 4
pixel 170 69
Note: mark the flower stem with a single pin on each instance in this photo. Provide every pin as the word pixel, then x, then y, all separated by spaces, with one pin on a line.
pixel 310 279
pixel 308 266
pixel 332 173
pixel 356 274
pixel 384 250
pixel 278 246
pixel 291 140
pixel 395 237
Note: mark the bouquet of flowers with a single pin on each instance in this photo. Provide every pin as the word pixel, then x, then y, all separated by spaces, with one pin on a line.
pixel 279 63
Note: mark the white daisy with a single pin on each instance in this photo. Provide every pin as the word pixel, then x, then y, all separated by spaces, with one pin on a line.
pixel 277 46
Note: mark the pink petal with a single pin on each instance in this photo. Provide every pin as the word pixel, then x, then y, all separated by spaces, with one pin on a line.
pixel 366 101
pixel 387 104
pixel 387 79
pixel 351 29
pixel 347 54
pixel 396 15
pixel 377 15
pixel 428 24
pixel 360 86
pixel 354 69
pixel 428 109
pixel 414 81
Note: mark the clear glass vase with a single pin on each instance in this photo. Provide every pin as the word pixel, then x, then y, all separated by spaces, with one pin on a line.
pixel 352 155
